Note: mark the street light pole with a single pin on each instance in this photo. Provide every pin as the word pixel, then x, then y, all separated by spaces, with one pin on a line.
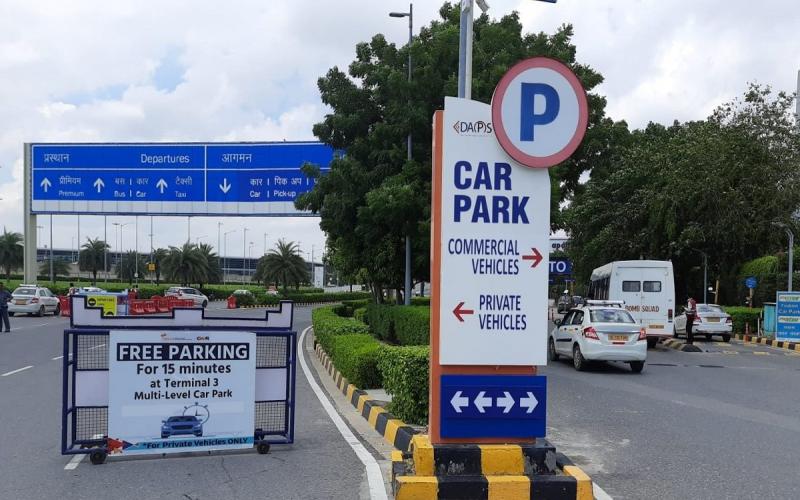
pixel 244 252
pixel 225 254
pixel 136 251
pixel 410 15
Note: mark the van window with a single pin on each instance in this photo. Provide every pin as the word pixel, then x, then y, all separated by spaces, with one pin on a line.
pixel 652 286
pixel 630 286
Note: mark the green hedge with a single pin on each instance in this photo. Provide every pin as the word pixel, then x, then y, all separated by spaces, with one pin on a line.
pixel 742 315
pixel 405 372
pixel 356 356
pixel 245 300
pixel 360 314
pixel 381 322
pixel 316 298
pixel 420 301
pixel 412 325
pixel 327 324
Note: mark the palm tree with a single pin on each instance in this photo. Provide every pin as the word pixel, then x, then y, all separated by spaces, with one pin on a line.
pixel 60 268
pixel 283 265
pixel 11 252
pixel 214 269
pixel 186 265
pixel 92 257
pixel 126 267
pixel 159 255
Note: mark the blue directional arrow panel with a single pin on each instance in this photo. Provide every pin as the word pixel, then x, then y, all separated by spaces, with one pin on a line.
pixel 493 406
pixel 173 179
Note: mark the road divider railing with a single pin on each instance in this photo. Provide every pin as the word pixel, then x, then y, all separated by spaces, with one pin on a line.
pixel 421 470
pixel 778 344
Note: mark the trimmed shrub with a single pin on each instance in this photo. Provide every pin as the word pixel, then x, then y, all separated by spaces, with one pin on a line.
pixel 355 304
pixel 743 315
pixel 412 324
pixel 316 298
pixel 360 314
pixel 381 322
pixel 356 356
pixel 327 324
pixel 420 301
pixel 405 372
pixel 245 300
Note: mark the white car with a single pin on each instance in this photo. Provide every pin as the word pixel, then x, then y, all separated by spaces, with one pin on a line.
pixel 599 331
pixel 89 289
pixel 710 320
pixel 182 292
pixel 32 299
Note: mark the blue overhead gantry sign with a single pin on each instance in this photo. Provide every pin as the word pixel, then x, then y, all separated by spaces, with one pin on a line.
pixel 173 179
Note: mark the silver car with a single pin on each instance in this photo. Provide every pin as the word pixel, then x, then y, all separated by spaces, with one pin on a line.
pixel 710 320
pixel 32 299
pixel 183 292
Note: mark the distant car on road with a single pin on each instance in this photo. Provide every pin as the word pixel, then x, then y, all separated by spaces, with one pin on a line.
pixel 710 320
pixel 243 292
pixel 89 289
pixel 567 302
pixel 599 330
pixel 187 293
pixel 33 299
pixel 181 425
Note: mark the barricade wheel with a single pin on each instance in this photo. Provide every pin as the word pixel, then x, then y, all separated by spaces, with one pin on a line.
pixel 263 448
pixel 97 457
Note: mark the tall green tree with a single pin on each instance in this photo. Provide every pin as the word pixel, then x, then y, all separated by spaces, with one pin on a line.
pixel 708 187
pixel 186 265
pixel 159 256
pixel 92 257
pixel 214 272
pixel 60 268
pixel 11 251
pixel 127 266
pixel 283 265
pixel 373 196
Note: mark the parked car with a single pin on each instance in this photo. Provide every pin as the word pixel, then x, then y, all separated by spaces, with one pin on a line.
pixel 181 425
pixel 567 302
pixel 88 290
pixel 601 331
pixel 32 299
pixel 187 293
pixel 710 320
pixel 243 292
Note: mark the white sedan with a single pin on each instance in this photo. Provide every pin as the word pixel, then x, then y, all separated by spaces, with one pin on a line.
pixel 601 331
pixel 710 320
pixel 32 299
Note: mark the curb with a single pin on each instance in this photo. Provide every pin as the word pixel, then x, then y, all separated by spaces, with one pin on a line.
pixel 680 345
pixel 394 431
pixel 491 472
pixel 778 344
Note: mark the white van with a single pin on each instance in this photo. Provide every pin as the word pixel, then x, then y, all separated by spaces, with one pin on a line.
pixel 647 287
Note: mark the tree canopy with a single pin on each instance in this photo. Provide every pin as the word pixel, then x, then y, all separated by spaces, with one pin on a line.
pixel 282 265
pixel 373 196
pixel 11 251
pixel 93 258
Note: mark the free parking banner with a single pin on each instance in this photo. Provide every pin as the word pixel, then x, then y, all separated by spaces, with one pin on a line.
pixel 177 391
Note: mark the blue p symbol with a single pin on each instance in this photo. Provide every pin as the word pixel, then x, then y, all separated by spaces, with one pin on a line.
pixel 528 119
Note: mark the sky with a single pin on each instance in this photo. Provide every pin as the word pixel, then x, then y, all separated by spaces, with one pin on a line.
pixel 201 71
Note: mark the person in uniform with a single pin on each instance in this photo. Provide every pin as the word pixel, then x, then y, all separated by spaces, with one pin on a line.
pixel 5 298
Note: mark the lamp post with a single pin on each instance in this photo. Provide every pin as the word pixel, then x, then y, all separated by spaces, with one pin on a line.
pixel 410 16
pixel 244 252
pixel 198 238
pixel 265 243
pixel 225 254
pixel 121 235
pixel 249 256
pixel 790 234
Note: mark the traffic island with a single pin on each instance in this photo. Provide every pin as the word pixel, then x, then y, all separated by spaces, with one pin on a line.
pixel 680 345
pixel 421 470
pixel 778 344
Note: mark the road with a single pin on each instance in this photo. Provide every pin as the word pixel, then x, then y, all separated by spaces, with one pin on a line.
pixel 714 425
pixel 320 464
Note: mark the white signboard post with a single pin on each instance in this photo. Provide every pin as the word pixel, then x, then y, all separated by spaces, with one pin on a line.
pixel 177 391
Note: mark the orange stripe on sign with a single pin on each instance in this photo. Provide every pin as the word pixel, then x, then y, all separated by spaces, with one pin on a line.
pixel 436 273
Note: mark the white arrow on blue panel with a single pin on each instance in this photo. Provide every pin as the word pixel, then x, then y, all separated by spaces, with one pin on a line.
pixel 99 184
pixel 225 187
pixel 161 185
pixel 530 402
pixel 482 402
pixel 459 402
pixel 46 184
pixel 506 402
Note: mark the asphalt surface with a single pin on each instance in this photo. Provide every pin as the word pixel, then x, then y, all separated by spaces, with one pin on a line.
pixel 319 465
pixel 723 423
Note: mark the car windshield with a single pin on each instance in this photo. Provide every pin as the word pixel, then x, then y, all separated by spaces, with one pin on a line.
pixel 182 419
pixel 611 316
pixel 24 291
pixel 709 308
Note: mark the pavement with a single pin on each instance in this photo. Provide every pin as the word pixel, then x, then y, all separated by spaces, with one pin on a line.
pixel 721 423
pixel 319 465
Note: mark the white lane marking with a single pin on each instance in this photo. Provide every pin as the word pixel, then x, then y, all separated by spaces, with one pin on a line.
pixel 60 357
pixel 374 475
pixel 77 459
pixel 28 327
pixel 16 371
pixel 96 347
pixel 599 494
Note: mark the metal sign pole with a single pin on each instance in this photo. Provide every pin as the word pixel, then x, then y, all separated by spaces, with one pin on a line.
pixel 29 230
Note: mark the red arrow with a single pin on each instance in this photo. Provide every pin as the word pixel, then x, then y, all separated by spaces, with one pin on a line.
pixel 536 257
pixel 459 311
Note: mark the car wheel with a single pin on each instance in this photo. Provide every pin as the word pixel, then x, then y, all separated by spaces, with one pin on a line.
pixel 552 355
pixel 205 304
pixel 726 338
pixel 41 312
pixel 11 315
pixel 637 366
pixel 57 312
pixel 578 361
pixel 651 342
